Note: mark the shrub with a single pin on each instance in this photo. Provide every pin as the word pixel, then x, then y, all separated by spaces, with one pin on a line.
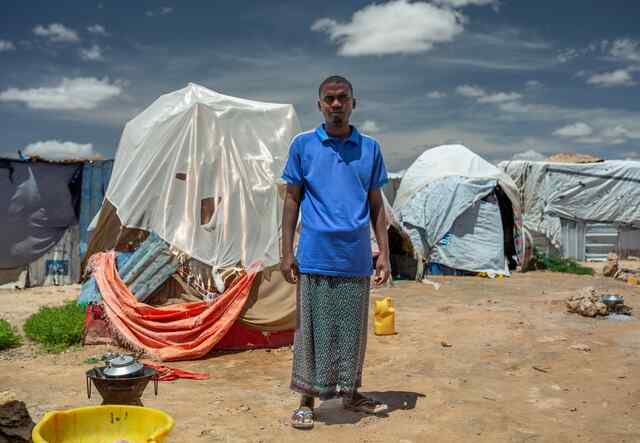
pixel 559 264
pixel 8 336
pixel 57 328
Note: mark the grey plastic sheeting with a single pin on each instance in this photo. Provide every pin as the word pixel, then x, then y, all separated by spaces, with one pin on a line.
pixel 606 192
pixel 475 242
pixel 35 209
pixel 432 212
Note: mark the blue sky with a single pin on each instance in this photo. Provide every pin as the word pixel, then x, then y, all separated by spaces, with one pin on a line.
pixel 503 77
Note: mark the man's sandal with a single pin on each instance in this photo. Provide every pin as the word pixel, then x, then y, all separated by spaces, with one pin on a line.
pixel 360 403
pixel 302 418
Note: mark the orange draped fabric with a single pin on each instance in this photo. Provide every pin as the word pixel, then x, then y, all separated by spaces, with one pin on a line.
pixel 184 331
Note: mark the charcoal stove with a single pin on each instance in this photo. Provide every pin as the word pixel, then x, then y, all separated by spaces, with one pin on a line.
pixel 122 380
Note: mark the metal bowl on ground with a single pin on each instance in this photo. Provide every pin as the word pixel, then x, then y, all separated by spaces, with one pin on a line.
pixel 612 301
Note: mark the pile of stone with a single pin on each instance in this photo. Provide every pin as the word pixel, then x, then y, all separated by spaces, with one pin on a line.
pixel 587 303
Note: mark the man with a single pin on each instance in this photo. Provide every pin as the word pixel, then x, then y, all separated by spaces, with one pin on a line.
pixel 334 175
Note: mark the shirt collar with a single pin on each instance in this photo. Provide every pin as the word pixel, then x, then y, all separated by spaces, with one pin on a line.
pixel 354 137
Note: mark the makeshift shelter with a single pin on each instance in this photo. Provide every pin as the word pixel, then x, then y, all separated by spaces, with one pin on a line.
pixel 461 212
pixel 200 171
pixel 580 210
pixel 45 209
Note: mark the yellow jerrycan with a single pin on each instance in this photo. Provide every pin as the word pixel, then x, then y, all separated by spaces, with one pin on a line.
pixel 384 317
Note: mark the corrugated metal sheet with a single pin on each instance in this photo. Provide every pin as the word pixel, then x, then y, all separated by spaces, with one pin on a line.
pixel 588 241
pixel 95 180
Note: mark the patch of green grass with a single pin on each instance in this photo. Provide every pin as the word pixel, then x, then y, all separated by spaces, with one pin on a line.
pixel 8 336
pixel 560 264
pixel 57 328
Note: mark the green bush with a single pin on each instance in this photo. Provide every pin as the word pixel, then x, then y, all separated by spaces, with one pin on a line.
pixel 8 336
pixel 560 264
pixel 57 328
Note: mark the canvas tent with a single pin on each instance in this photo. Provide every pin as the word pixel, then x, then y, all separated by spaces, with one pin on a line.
pixel 461 212
pixel 580 210
pixel 45 208
pixel 201 170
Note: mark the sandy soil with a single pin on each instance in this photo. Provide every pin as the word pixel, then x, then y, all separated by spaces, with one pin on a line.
pixel 510 374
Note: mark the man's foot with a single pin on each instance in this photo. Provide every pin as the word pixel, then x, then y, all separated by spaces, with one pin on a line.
pixel 302 418
pixel 360 403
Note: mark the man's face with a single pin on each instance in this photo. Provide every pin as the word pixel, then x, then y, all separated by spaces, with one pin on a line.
pixel 336 104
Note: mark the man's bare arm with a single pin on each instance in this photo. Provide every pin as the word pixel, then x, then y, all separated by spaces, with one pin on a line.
pixel 288 265
pixel 379 222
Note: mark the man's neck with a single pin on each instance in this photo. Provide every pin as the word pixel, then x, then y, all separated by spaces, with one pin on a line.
pixel 341 132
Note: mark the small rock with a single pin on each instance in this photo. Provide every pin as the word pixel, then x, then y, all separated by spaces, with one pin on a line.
pixel 244 408
pixel 445 344
pixel 580 347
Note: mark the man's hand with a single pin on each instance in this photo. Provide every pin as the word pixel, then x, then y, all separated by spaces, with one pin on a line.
pixel 382 271
pixel 289 269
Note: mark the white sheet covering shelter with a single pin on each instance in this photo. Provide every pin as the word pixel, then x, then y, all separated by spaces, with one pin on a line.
pixel 200 169
pixel 445 204
pixel 604 192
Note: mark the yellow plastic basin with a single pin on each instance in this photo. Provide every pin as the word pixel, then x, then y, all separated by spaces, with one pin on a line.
pixel 104 424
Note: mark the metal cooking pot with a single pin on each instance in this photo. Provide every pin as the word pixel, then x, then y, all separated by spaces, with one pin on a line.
pixel 120 365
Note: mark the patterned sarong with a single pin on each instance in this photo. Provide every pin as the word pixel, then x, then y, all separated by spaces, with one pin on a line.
pixel 331 335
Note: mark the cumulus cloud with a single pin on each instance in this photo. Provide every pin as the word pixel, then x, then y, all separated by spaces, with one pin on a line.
pixel 93 53
pixel 55 150
pixel 56 32
pixel 470 91
pixel 463 3
pixel 164 10
pixel 483 96
pixel 500 97
pixel 529 155
pixel 579 129
pixel 97 30
pixel 396 27
pixel 70 94
pixel 619 77
pixel 626 49
pixel 6 45
pixel 436 94
pixel 370 126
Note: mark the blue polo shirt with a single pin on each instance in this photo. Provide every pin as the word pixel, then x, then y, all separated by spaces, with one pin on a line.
pixel 336 177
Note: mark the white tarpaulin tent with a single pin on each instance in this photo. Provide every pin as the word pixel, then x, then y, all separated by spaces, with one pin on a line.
pixel 605 192
pixel 445 202
pixel 200 169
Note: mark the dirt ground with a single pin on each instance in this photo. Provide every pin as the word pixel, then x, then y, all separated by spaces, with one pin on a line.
pixel 509 374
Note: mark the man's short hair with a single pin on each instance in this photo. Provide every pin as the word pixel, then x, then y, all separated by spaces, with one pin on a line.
pixel 335 79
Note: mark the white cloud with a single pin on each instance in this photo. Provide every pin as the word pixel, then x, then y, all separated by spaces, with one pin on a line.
pixel 70 94
pixel 57 150
pixel 626 49
pixel 579 129
pixel 483 97
pixel 370 126
pixel 533 84
pixel 463 3
pixel 436 94
pixel 470 91
pixel 94 53
pixel 396 27
pixel 529 155
pixel 97 30
pixel 164 10
pixel 6 45
pixel 56 32
pixel 500 97
pixel 619 77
